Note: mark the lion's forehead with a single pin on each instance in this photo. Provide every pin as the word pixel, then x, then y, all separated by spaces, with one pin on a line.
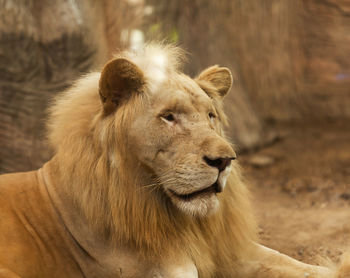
pixel 183 95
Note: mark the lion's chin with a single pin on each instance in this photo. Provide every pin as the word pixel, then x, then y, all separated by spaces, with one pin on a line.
pixel 201 204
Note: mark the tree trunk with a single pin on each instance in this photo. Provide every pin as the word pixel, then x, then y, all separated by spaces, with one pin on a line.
pixel 44 46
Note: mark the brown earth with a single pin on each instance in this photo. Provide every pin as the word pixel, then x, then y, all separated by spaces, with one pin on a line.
pixel 301 190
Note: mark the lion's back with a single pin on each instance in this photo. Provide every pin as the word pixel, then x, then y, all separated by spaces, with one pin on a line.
pixel 28 228
pixel 16 190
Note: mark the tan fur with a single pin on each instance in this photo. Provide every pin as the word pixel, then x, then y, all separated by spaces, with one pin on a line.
pixel 79 132
pixel 220 78
pixel 108 205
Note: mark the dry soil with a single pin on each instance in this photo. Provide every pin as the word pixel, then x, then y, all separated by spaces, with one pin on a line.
pixel 301 190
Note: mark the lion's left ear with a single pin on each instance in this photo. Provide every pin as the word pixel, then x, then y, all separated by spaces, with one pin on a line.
pixel 120 78
pixel 220 78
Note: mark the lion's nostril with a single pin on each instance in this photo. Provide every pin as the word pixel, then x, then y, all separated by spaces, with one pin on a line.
pixel 220 163
pixel 213 162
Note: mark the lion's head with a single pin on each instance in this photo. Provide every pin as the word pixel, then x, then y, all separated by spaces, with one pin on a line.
pixel 140 148
pixel 176 134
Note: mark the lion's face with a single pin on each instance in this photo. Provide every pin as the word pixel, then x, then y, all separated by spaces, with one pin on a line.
pixel 176 136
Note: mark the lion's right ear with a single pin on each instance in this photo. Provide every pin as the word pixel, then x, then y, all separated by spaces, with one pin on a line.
pixel 119 79
pixel 218 77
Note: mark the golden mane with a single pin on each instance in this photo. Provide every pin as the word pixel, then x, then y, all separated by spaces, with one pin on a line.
pixel 110 190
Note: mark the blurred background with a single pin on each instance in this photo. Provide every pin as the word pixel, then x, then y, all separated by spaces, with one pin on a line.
pixel 289 108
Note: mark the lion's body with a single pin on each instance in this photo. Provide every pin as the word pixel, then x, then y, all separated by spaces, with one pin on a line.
pixel 115 200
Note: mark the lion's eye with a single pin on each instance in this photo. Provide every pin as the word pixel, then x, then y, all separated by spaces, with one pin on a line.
pixel 169 117
pixel 211 115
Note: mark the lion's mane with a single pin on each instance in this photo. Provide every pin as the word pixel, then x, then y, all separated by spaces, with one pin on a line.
pixel 110 192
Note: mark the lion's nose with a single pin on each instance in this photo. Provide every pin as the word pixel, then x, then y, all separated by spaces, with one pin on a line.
pixel 221 163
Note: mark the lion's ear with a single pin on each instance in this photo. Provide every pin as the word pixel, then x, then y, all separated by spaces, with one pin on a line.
pixel 119 79
pixel 220 78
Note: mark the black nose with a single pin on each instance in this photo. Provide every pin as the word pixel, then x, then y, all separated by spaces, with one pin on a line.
pixel 221 163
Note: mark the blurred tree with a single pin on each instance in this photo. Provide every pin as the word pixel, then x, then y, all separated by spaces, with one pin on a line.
pixel 291 57
pixel 326 65
pixel 44 46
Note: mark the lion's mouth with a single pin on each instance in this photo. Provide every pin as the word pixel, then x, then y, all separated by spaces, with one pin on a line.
pixel 212 189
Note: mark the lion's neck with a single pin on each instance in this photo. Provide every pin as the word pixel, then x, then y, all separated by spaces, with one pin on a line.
pixel 76 225
pixel 130 211
pixel 94 253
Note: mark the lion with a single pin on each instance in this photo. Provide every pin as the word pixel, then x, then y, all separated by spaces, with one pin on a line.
pixel 143 183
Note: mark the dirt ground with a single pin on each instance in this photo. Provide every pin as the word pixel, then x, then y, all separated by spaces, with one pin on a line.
pixel 301 190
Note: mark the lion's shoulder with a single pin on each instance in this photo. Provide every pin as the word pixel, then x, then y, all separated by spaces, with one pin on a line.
pixel 29 224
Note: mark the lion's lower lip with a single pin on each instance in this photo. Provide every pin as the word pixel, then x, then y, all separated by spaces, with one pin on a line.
pixel 214 188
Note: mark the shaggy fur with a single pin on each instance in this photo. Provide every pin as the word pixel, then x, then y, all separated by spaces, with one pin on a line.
pixel 116 199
